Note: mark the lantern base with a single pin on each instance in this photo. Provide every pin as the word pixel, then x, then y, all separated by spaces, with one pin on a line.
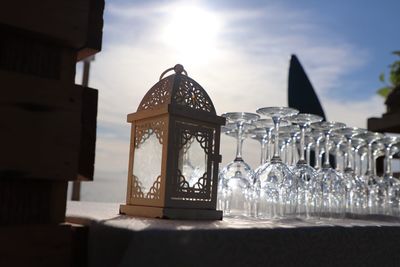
pixel 170 213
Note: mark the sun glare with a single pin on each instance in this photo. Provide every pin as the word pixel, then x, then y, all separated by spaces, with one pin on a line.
pixel 192 32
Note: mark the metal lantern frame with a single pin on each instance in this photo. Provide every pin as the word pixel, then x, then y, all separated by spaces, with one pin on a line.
pixel 178 111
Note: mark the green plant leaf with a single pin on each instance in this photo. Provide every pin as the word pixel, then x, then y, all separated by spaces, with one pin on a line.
pixel 395 73
pixel 396 53
pixel 384 91
pixel 393 79
pixel 382 77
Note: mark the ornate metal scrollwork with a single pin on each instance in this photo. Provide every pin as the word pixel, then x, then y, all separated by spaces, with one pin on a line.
pixel 158 95
pixel 198 188
pixel 153 193
pixel 145 130
pixel 136 188
pixel 192 95
pixel 202 136
pixel 185 93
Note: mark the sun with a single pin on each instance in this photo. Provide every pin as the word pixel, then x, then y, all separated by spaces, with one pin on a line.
pixel 192 33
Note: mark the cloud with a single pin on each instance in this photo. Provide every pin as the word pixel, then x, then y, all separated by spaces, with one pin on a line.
pixel 245 68
pixel 355 113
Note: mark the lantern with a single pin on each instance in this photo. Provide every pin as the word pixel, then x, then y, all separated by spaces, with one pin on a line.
pixel 174 152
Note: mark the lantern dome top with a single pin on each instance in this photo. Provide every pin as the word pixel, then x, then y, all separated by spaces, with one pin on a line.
pixel 177 89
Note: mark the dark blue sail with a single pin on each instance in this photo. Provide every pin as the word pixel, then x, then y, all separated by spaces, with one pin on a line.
pixel 301 94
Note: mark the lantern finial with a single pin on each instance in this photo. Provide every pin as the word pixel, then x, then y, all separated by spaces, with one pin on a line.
pixel 178 68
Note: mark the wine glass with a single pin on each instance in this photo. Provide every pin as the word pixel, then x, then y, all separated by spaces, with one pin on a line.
pixel 340 147
pixel 318 137
pixel 265 136
pixel 236 178
pixel 331 192
pixel 356 189
pixel 307 176
pixel 369 177
pixel 360 153
pixel 276 185
pixel 311 142
pixel 263 133
pixel 284 147
pixel 360 190
pixel 392 184
pixel 291 132
pixel 262 136
pixel 376 186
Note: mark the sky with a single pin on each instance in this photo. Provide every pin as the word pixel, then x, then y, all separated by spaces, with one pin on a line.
pixel 239 52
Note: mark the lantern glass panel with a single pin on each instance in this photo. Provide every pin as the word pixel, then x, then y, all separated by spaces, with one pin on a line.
pixel 192 161
pixel 147 160
pixel 194 149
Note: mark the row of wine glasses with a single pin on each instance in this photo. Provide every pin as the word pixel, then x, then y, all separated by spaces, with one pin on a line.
pixel 308 168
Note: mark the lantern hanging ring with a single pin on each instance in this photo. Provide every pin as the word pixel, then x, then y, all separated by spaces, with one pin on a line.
pixel 178 68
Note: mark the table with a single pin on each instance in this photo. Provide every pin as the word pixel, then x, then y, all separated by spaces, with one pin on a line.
pixel 118 240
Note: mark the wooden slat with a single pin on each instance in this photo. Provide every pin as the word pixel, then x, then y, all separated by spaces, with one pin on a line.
pixel 88 134
pixel 95 30
pixel 28 201
pixel 389 122
pixel 23 53
pixel 38 245
pixel 40 128
pixel 74 23
pixel 64 20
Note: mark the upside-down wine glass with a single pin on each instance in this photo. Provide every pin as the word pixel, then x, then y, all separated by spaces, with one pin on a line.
pixel 369 177
pixel 318 137
pixel 307 175
pixel 236 178
pixel 330 195
pixel 339 142
pixel 265 137
pixel 290 134
pixel 376 187
pixel 360 153
pixel 392 184
pixel 309 143
pixel 356 189
pixel 263 134
pixel 276 185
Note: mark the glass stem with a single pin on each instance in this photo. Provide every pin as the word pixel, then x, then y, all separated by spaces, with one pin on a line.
pixel 338 156
pixel 369 159
pixel 356 164
pixel 276 139
pixel 363 158
pixel 268 150
pixel 326 163
pixel 239 141
pixel 349 155
pixel 294 150
pixel 263 150
pixel 374 157
pixel 388 161
pixel 308 153
pixel 302 138
pixel 317 163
